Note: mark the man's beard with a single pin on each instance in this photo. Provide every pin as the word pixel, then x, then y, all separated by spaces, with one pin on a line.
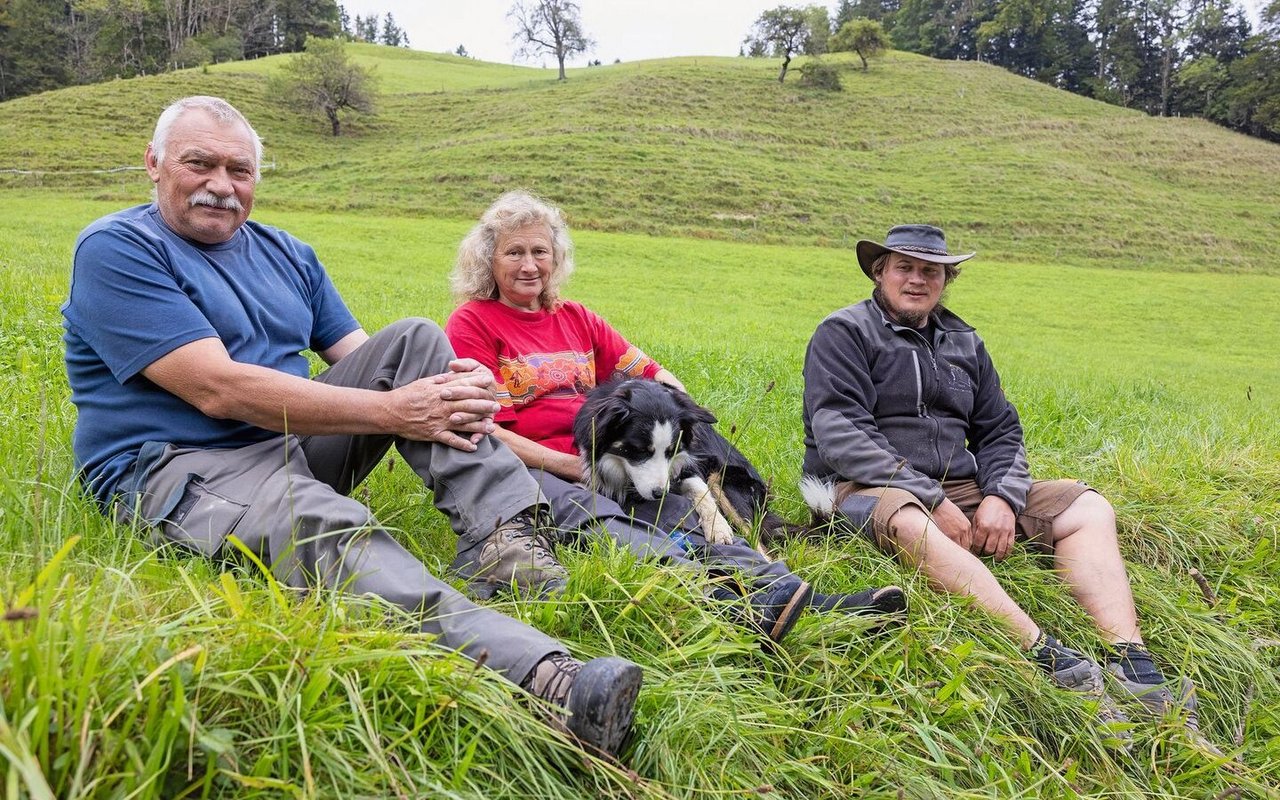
pixel 907 319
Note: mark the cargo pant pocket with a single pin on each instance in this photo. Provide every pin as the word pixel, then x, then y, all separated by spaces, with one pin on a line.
pixel 198 520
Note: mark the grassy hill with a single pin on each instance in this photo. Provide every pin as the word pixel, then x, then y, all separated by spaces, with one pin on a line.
pixel 712 148
pixel 1146 368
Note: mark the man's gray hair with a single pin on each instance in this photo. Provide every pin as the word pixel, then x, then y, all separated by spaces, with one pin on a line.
pixel 216 107
pixel 472 277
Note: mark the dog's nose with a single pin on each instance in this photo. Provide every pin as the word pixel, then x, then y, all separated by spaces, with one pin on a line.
pixel 647 490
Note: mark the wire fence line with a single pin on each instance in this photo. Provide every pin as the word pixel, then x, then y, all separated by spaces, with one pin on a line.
pixel 15 171
pixel 112 170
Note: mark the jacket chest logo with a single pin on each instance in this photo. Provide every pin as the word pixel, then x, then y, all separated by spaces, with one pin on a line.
pixel 953 377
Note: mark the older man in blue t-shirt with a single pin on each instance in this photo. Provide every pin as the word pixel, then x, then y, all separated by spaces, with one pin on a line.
pixel 185 327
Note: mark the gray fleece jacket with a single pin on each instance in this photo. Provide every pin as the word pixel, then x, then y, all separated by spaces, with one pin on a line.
pixel 883 406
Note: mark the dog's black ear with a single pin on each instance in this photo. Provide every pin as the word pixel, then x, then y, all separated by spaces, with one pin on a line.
pixel 594 426
pixel 688 436
pixel 598 416
pixel 695 411
pixel 611 416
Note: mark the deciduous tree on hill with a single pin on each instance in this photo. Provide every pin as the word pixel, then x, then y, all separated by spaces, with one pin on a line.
pixel 325 79
pixel 862 36
pixel 782 31
pixel 553 27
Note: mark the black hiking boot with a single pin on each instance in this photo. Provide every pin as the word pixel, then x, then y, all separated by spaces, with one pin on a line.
pixel 777 607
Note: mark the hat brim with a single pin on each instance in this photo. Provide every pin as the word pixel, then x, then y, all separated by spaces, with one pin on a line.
pixel 868 251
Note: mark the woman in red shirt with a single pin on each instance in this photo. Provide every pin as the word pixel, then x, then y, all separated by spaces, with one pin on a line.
pixel 546 354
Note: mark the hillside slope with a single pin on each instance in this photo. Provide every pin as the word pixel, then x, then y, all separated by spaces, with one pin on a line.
pixel 713 147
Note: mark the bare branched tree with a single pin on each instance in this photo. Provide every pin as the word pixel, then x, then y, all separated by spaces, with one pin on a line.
pixel 549 26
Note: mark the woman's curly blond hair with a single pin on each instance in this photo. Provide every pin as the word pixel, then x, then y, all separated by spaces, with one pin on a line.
pixel 472 277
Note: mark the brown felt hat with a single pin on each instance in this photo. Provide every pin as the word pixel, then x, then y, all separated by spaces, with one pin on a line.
pixel 924 242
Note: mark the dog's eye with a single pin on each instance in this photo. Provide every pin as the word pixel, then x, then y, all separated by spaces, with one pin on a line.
pixel 671 451
pixel 631 451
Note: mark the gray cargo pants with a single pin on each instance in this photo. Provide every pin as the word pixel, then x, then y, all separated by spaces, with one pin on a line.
pixel 666 528
pixel 285 498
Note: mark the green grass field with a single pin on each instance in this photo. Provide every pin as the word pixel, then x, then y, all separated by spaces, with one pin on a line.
pixel 1126 286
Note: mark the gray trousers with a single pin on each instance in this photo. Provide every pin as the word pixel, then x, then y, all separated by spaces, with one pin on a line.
pixel 285 498
pixel 666 528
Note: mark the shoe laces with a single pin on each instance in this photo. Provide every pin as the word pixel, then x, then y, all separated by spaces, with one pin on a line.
pixel 1053 656
pixel 521 528
pixel 553 677
pixel 1136 664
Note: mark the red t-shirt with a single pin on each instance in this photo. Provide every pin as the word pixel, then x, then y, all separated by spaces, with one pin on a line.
pixel 545 362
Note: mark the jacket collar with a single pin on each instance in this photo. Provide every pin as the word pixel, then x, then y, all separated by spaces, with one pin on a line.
pixel 942 317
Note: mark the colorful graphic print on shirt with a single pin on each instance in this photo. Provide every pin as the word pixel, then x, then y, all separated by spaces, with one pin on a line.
pixel 565 373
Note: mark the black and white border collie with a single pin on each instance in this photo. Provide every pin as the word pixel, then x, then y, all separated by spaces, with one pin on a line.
pixel 639 438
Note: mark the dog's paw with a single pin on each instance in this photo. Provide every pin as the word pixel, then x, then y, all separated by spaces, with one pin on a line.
pixel 715 528
pixel 718 531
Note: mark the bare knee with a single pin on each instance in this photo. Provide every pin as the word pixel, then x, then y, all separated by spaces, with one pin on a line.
pixel 1091 514
pixel 908 520
pixel 905 531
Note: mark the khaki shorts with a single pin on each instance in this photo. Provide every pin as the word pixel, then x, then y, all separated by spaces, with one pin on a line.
pixel 1045 501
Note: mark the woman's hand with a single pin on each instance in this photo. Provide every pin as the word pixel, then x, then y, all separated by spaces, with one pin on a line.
pixel 666 377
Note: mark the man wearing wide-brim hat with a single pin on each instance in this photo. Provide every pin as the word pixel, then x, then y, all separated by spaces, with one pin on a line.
pixel 909 438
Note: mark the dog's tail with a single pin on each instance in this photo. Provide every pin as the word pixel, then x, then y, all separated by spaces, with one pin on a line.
pixel 820 496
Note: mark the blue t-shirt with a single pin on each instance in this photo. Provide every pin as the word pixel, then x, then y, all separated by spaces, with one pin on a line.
pixel 139 291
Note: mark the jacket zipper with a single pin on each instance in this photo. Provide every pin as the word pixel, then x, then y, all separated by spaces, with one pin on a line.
pixel 915 362
pixel 922 410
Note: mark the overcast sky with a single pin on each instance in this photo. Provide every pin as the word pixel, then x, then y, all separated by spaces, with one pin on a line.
pixel 627 29
pixel 622 29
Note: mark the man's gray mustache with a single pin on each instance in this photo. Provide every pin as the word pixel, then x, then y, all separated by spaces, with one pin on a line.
pixel 207 198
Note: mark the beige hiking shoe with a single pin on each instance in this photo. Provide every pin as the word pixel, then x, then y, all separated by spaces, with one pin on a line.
pixel 515 554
